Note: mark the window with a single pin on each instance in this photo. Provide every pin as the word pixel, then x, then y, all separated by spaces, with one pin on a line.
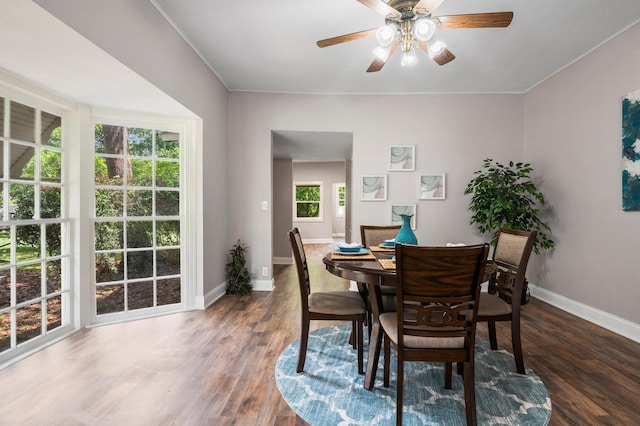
pixel 308 205
pixel 35 300
pixel 341 200
pixel 137 230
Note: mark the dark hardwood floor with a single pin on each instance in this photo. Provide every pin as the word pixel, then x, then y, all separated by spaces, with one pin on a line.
pixel 215 367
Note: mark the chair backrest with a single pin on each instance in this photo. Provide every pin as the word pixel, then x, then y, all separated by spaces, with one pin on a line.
pixel 301 266
pixel 373 235
pixel 438 290
pixel 511 255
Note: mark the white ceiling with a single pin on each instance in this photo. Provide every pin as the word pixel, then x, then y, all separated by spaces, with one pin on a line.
pixel 269 46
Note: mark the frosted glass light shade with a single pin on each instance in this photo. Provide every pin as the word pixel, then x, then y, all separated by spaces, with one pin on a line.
pixel 423 29
pixel 386 34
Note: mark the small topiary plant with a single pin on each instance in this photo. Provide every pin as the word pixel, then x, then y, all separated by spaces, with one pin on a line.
pixel 238 275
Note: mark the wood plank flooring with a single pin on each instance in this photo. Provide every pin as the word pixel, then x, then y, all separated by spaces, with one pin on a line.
pixel 215 367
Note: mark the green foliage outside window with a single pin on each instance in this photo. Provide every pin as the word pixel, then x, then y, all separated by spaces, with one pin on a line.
pixel 308 201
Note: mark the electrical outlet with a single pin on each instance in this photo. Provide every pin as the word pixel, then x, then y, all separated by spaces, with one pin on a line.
pixel 265 271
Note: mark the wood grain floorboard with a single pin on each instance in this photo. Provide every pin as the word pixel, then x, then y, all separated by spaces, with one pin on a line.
pixel 215 367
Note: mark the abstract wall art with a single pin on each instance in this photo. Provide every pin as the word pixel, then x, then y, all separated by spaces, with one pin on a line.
pixel 631 151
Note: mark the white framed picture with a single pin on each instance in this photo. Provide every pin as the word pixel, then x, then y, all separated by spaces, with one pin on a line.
pixel 400 209
pixel 402 158
pixel 374 188
pixel 432 186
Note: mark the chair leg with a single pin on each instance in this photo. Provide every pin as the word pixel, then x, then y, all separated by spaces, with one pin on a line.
pixel 399 388
pixel 517 345
pixel 304 339
pixel 448 371
pixel 353 338
pixel 360 331
pixel 491 326
pixel 387 361
pixel 469 393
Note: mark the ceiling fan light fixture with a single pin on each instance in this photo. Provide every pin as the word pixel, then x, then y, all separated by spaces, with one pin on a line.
pixel 386 34
pixel 380 52
pixel 409 58
pixel 423 29
pixel 435 48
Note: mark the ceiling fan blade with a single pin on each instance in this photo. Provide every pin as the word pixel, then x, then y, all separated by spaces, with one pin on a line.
pixel 378 63
pixel 476 20
pixel 380 7
pixel 430 5
pixel 442 58
pixel 346 37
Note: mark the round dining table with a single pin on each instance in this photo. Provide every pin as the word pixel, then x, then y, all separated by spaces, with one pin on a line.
pixel 369 270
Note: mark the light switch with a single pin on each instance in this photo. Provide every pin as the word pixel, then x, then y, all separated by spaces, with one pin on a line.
pixel 264 205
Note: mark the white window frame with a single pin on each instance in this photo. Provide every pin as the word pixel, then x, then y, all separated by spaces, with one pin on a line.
pixel 320 202
pixel 340 210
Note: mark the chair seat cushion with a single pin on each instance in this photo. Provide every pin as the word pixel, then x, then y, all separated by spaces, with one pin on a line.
pixel 491 305
pixel 337 303
pixel 389 322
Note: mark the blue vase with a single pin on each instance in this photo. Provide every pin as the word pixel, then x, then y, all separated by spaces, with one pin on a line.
pixel 406 235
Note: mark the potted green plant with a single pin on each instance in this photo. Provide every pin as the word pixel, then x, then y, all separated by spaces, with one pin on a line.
pixel 505 196
pixel 238 275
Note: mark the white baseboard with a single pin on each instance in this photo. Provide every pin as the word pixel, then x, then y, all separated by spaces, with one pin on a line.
pixel 263 285
pixel 317 241
pixel 203 302
pixel 596 316
pixel 283 260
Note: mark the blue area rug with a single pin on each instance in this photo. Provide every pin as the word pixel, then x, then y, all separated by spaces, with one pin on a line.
pixel 330 391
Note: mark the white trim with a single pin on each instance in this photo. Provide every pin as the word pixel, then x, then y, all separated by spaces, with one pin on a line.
pixel 283 260
pixel 596 316
pixel 203 302
pixel 263 285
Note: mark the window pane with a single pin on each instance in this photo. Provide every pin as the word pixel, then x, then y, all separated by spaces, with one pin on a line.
pixel 50 202
pixel 5 246
pixel 22 202
pixel 139 234
pixel 109 203
pixel 140 142
pixel 139 264
pixel 51 130
pixel 28 244
pixel 109 267
pixel 140 295
pixel 50 166
pixel 23 120
pixel 139 203
pixel 167 174
pixel 5 288
pixel 54 277
pixel 28 283
pixel 54 312
pixel 167 203
pixel 168 262
pixel 105 169
pixel 140 173
pixel 22 164
pixel 5 331
pixel 108 236
pixel 29 323
pixel 168 233
pixel 169 291
pixel 167 145
pixel 109 299
pixel 53 237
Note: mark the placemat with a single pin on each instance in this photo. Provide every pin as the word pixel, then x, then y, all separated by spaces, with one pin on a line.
pixel 381 248
pixel 346 256
pixel 387 263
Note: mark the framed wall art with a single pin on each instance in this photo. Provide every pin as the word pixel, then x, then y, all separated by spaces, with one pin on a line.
pixel 374 188
pixel 399 209
pixel 631 151
pixel 402 158
pixel 432 186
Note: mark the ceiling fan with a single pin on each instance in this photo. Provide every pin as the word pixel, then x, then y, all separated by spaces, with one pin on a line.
pixel 410 25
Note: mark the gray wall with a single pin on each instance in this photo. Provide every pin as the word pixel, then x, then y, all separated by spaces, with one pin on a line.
pixel 282 213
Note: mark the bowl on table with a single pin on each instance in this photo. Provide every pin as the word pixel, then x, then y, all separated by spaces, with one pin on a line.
pixel 388 243
pixel 349 247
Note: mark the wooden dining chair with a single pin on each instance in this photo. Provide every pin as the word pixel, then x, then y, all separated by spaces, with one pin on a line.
pixel 374 235
pixel 506 287
pixel 330 305
pixel 438 292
